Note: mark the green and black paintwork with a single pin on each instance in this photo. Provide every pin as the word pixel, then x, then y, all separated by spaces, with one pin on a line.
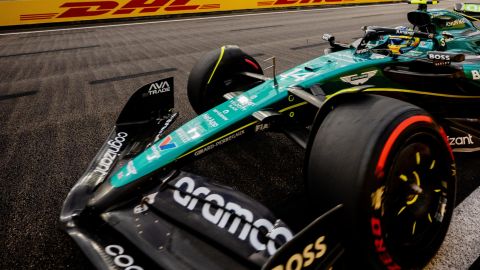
pixel 135 209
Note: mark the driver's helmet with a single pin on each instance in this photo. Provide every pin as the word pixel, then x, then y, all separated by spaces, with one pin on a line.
pixel 398 44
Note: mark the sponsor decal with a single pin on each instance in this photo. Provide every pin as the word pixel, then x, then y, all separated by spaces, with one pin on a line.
pixel 404 32
pixel 221 114
pixel 167 123
pixel 460 141
pixel 241 103
pixel 158 88
pixel 440 59
pixel 379 243
pixel 112 8
pixel 470 7
pixel 434 56
pixel 109 157
pixel 261 127
pixel 356 79
pixel 194 133
pixel 30 11
pixel 456 22
pixel 167 143
pixel 155 153
pixel 309 255
pixel 164 145
pixel 121 259
pixel 378 56
pixel 360 51
pixel 377 198
pixel 219 142
pixel 297 74
pixel 218 211
pixel 131 168
pixel 183 135
pixel 476 74
pixel 210 121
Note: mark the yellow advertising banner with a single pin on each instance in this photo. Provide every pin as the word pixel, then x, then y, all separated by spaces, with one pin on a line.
pixel 21 12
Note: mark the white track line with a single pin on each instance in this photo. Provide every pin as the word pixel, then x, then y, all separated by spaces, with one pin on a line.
pixel 462 245
pixel 198 19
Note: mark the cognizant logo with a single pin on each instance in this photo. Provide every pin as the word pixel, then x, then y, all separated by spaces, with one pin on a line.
pixel 121 259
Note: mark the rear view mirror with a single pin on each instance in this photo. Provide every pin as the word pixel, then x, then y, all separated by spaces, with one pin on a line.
pixel 419 18
pixel 328 37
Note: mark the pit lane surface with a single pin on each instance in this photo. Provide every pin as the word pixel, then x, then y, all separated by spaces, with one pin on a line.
pixel 61 91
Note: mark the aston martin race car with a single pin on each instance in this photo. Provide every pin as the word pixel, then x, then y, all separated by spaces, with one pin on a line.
pixel 379 120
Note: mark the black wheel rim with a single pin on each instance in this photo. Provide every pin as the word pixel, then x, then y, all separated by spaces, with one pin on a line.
pixel 416 196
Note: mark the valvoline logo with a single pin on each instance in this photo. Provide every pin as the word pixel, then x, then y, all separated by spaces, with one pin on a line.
pixel 167 144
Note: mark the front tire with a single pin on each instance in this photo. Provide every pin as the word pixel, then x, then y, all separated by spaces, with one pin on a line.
pixel 217 73
pixel 391 166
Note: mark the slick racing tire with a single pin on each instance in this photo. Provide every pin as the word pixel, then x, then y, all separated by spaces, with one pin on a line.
pixel 389 163
pixel 217 73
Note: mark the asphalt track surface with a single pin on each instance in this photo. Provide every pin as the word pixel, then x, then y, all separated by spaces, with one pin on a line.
pixel 61 91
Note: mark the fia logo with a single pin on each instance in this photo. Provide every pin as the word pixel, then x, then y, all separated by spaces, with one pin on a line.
pixel 157 88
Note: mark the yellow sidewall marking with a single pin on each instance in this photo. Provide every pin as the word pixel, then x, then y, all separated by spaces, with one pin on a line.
pixel 433 165
pixel 218 63
pixel 414 199
pixel 417 178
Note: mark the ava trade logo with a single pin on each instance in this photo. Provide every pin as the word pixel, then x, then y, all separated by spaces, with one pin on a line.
pixel 297 2
pixel 97 8
pixel 167 144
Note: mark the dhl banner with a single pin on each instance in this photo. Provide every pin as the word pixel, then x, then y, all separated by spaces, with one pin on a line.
pixel 20 12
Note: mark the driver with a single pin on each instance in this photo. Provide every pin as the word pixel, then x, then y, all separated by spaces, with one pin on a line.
pixel 402 44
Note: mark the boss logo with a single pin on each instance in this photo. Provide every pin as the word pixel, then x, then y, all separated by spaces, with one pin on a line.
pixel 120 259
pixel 433 56
pixel 309 255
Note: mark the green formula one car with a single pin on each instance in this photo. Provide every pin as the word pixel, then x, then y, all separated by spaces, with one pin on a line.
pixel 378 119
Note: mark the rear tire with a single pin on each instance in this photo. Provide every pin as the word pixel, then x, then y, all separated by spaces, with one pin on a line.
pixel 218 73
pixel 391 166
